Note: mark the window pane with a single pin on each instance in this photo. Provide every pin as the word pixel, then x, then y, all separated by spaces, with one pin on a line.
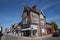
pixel 36 20
pixel 41 16
pixel 25 21
pixel 25 14
pixel 43 30
pixel 42 22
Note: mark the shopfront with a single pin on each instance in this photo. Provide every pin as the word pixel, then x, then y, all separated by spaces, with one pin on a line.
pixel 31 31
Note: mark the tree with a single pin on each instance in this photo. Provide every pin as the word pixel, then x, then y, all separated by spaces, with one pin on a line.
pixel 54 25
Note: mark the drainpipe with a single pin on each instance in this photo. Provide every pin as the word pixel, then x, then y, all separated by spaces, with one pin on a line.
pixel 31 32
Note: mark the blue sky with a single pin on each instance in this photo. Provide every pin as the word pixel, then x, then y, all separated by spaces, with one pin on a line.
pixel 11 10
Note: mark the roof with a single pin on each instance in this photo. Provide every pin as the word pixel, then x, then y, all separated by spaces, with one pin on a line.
pixel 48 23
pixel 41 12
pixel 30 9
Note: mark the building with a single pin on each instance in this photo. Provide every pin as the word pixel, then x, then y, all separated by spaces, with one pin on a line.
pixel 49 28
pixel 14 26
pixel 1 29
pixel 33 22
pixel 7 30
pixel 16 29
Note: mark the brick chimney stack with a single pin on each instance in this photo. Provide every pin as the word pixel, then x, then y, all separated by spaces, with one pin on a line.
pixel 34 7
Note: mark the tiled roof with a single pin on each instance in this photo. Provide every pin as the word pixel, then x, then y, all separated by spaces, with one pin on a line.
pixel 30 9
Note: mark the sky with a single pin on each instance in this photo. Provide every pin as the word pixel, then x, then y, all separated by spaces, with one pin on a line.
pixel 11 10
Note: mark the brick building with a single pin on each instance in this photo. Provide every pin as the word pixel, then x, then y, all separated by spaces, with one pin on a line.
pixel 15 28
pixel 49 28
pixel 33 22
pixel 7 30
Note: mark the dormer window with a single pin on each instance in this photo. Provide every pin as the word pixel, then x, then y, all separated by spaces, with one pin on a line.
pixel 35 18
pixel 25 13
pixel 41 16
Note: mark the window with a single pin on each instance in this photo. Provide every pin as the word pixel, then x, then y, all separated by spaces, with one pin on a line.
pixel 42 22
pixel 41 16
pixel 25 21
pixel 25 18
pixel 36 20
pixel 25 13
pixel 43 30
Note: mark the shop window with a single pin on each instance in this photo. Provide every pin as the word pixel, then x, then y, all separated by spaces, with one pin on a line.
pixel 43 30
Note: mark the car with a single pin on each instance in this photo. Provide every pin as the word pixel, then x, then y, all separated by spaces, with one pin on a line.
pixel 56 34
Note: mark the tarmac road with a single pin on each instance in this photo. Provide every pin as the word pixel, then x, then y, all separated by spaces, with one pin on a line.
pixel 3 38
pixel 12 37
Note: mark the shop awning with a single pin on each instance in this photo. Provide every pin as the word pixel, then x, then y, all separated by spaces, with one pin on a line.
pixel 25 29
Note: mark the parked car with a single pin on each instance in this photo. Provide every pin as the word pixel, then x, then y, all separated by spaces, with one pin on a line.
pixel 56 34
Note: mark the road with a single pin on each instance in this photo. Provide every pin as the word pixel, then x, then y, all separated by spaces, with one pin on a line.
pixel 12 37
pixel 3 37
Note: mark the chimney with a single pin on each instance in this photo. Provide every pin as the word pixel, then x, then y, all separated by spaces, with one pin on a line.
pixel 34 7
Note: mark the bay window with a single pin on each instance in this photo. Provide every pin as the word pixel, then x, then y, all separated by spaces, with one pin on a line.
pixel 42 22
pixel 36 20
pixel 41 16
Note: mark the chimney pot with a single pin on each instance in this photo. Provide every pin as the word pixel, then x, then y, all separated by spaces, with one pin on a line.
pixel 34 7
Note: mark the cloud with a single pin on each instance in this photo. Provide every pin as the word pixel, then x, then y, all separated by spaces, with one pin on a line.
pixel 57 17
pixel 50 4
pixel 54 18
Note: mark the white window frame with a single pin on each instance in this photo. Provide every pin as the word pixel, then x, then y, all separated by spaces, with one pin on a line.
pixel 42 22
pixel 25 20
pixel 36 20
pixel 25 13
pixel 41 16
pixel 43 30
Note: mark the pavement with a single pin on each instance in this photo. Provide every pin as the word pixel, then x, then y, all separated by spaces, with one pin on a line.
pixel 13 37
pixel 3 38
